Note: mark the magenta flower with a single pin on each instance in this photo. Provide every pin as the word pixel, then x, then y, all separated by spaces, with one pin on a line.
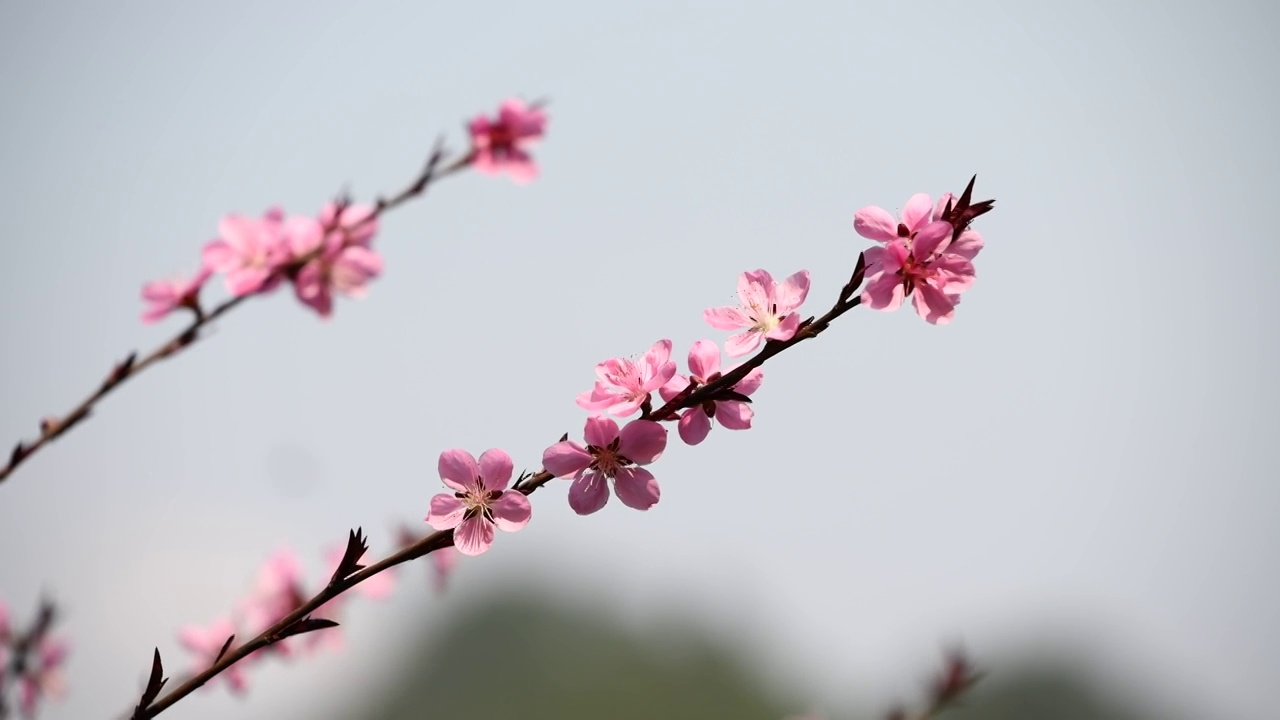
pixel 921 267
pixel 500 145
pixel 767 310
pixel 480 501
pixel 624 385
pixel 609 455
pixel 704 369
pixel 42 677
pixel 341 261
pixel 248 251
pixel 206 642
pixel 165 296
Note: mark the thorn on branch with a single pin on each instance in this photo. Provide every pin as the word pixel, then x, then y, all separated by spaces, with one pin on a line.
pixel 357 546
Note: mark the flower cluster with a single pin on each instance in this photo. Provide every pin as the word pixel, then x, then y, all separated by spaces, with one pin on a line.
pixel 927 255
pixel 32 660
pixel 332 252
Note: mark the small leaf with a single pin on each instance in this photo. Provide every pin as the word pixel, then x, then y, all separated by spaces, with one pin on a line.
pixel 305 625
pixel 225 647
pixel 859 273
pixel 154 684
pixel 731 394
pixel 357 545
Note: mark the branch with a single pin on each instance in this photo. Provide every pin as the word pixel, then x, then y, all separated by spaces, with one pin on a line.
pixel 52 428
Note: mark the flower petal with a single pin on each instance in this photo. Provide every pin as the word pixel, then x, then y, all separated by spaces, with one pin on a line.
pixel 600 431
pixel 875 223
pixel 565 458
pixel 495 469
pixel 588 493
pixel 446 512
pixel 734 414
pixel 742 343
pixel 916 213
pixel 694 425
pixel 511 511
pixel 636 488
pixel 458 469
pixel 932 239
pixel 883 292
pixel 474 536
pixel 704 359
pixel 726 318
pixel 792 292
pixel 642 441
pixel 933 305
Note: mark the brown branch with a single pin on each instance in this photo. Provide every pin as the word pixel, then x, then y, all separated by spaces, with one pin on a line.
pixel 957 679
pixel 53 427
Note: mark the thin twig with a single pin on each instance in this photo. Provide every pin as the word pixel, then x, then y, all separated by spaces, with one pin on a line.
pixel 53 427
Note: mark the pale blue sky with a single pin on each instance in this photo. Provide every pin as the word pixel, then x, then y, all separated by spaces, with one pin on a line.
pixel 1080 456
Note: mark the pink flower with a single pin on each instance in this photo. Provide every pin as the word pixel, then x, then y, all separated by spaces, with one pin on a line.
pixel 500 145
pixel 249 252
pixel 342 261
pixel 624 385
pixel 877 224
pixel 766 310
pixel 704 369
pixel 4 626
pixel 278 592
pixel 921 267
pixel 166 296
pixel 354 225
pixel 480 501
pixel 42 677
pixel 609 455
pixel 206 642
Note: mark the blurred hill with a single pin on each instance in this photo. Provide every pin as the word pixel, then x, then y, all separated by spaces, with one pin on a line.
pixel 518 659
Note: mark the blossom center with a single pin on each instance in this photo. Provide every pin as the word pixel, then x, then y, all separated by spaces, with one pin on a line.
pixel 607 460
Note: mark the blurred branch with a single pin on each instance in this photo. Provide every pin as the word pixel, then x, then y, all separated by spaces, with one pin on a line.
pixel 52 428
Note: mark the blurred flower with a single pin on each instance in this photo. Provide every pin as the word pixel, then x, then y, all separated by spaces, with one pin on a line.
pixel 766 310
pixel 206 642
pixel 165 296
pixel 704 368
pixel 248 251
pixel 500 145
pixel 480 502
pixel 343 261
pixel 624 385
pixel 42 677
pixel 609 455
